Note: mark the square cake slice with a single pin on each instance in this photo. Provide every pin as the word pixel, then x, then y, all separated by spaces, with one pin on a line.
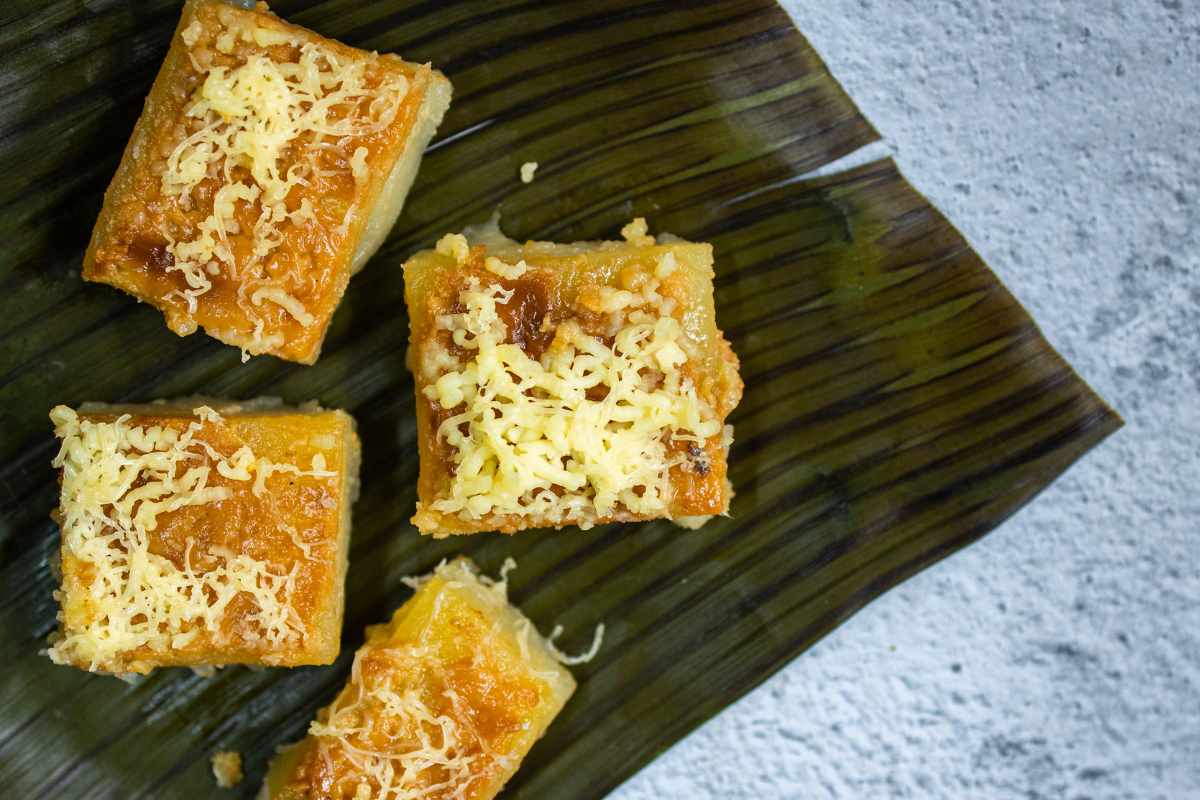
pixel 202 532
pixel 268 165
pixel 562 384
pixel 442 702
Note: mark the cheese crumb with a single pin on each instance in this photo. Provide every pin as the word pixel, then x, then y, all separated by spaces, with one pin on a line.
pixel 227 768
pixel 192 32
pixel 281 298
pixel 666 266
pixel 636 232
pixel 509 271
pixel 358 165
pixel 454 245
pixel 264 37
pixel 527 170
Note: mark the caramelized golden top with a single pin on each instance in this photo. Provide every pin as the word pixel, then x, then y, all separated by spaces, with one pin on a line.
pixel 198 540
pixel 253 172
pixel 541 292
pixel 443 702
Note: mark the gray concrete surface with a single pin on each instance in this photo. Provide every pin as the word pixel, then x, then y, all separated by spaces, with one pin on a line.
pixel 1060 656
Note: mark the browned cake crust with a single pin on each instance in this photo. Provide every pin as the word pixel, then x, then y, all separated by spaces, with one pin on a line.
pixel 267 284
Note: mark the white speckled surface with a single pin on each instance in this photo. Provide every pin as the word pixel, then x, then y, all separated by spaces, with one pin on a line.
pixel 1060 656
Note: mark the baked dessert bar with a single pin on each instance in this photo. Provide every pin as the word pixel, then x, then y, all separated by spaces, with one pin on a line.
pixel 201 532
pixel 268 165
pixel 443 702
pixel 567 384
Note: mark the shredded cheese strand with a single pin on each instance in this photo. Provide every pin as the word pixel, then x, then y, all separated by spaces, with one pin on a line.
pixel 582 658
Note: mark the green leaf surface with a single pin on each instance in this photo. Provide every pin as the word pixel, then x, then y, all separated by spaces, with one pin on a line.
pixel 899 402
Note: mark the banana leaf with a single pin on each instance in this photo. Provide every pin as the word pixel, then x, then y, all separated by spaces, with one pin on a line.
pixel 899 402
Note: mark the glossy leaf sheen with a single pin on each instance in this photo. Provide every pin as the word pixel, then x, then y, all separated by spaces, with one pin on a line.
pixel 899 402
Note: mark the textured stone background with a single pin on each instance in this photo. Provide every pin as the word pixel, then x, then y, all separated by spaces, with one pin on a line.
pixel 1060 656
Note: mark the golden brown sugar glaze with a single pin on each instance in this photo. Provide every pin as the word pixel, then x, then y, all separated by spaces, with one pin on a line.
pixel 203 537
pixel 698 482
pixel 445 652
pixel 491 705
pixel 311 262
pixel 538 304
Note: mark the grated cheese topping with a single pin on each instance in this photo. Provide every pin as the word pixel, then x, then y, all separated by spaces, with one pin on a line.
pixel 580 431
pixel 399 730
pixel 117 480
pixel 396 744
pixel 262 116
pixel 396 740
